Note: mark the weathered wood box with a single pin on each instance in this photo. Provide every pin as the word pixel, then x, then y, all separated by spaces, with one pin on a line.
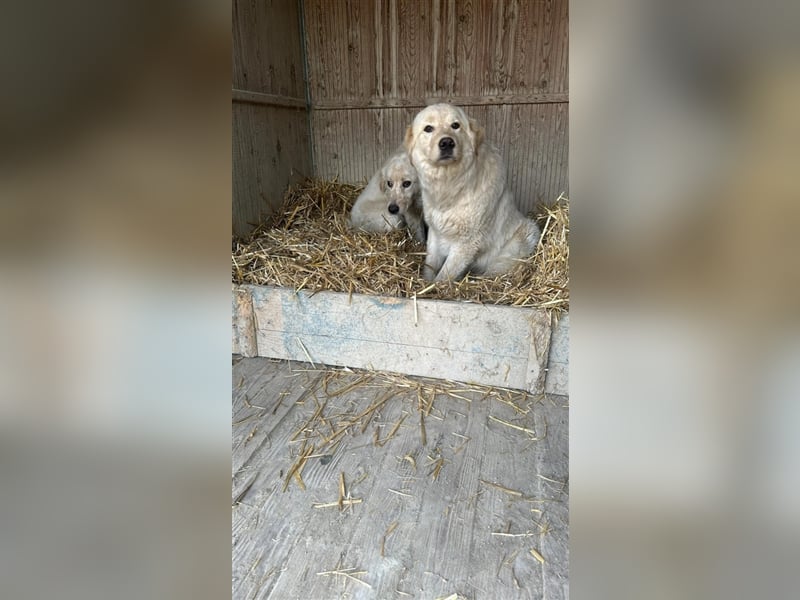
pixel 326 89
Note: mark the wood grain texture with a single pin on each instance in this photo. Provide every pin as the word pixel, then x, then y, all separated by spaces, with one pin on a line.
pixel 557 381
pixel 375 135
pixel 456 533
pixel 267 99
pixel 234 328
pixel 420 102
pixel 244 323
pixel 271 146
pixel 415 49
pixel 490 345
pixel 267 47
pixel 374 64
pixel 555 373
pixel 270 129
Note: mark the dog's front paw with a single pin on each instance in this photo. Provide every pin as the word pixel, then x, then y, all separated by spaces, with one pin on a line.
pixel 428 273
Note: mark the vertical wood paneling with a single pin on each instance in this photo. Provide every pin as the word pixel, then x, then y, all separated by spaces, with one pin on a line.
pixel 342 44
pixel 379 51
pixel 270 143
pixel 355 162
pixel 394 44
pixel 449 65
pixel 467 46
pixel 270 147
pixel 419 48
pixel 267 47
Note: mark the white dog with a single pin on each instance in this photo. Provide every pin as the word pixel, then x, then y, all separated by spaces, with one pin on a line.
pixel 391 199
pixel 473 224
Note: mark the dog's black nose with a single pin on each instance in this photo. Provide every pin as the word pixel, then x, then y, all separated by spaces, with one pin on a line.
pixel 446 143
pixel 394 209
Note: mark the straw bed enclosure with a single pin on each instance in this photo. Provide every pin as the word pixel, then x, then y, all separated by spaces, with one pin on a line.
pixel 309 246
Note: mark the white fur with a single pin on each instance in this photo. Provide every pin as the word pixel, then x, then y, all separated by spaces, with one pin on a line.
pixel 473 224
pixel 370 211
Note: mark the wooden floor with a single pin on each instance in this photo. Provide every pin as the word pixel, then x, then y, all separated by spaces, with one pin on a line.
pixel 479 511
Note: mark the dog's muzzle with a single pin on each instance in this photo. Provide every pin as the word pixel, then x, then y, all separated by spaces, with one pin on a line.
pixel 394 209
pixel 446 145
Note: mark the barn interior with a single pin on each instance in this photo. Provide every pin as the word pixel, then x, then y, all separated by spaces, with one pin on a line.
pixel 359 482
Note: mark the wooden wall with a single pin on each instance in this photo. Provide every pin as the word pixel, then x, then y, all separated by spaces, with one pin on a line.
pixel 372 64
pixel 271 137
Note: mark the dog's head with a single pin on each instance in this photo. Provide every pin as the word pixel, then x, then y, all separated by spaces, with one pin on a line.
pixel 442 135
pixel 400 184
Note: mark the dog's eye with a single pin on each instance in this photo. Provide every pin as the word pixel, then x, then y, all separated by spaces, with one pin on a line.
pixel 389 183
pixel 428 128
pixel 406 183
pixel 455 125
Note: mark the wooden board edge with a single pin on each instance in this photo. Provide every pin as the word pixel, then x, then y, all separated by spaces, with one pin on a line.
pixel 244 322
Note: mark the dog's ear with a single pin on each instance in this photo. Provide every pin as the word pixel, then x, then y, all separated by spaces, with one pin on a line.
pixel 477 131
pixel 408 142
pixel 382 183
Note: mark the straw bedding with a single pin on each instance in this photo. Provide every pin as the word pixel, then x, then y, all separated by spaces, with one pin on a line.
pixel 309 246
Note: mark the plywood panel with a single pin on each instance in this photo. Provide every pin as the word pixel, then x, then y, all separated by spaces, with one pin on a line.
pixel 271 145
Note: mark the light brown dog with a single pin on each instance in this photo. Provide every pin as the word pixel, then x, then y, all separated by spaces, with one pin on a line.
pixel 391 199
pixel 473 224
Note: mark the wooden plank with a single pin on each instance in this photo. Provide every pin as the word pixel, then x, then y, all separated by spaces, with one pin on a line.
pixel 415 33
pixel 492 345
pixel 340 65
pixel 420 102
pixel 557 381
pixel 266 99
pixel 234 328
pixel 245 325
pixel 536 149
pixel 265 393
pixel 541 47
